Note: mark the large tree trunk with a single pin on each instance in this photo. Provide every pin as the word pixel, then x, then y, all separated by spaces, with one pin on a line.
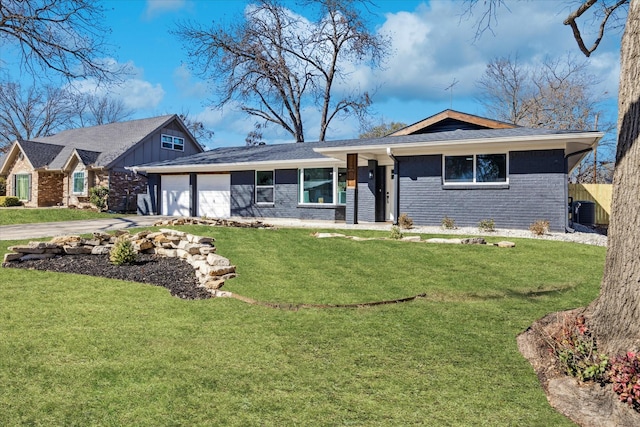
pixel 615 314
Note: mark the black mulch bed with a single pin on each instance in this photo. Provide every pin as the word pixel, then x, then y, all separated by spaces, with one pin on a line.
pixel 174 274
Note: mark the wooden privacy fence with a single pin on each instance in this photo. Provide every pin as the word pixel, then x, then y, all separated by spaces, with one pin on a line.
pixel 600 194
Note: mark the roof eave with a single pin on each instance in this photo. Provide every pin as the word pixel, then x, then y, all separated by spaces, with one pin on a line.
pixel 235 166
pixel 438 147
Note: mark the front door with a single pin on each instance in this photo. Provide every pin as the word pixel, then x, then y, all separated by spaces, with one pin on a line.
pixel 381 196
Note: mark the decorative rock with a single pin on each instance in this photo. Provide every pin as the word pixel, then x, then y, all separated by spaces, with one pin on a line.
pixel 220 270
pixel 441 240
pixel 190 248
pixel 101 250
pixel 77 250
pixel 411 239
pixel 217 260
pixel 91 242
pixel 206 250
pixel 172 232
pixel 213 284
pixel 211 270
pixel 326 235
pixel 474 241
pixel 169 253
pixel 505 244
pixel 65 240
pixel 8 257
pixel 34 247
pixel 142 245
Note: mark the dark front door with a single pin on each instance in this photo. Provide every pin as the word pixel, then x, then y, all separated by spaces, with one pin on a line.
pixel 381 202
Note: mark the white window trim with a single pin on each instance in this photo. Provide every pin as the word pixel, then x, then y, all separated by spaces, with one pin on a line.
pixel 173 143
pixel 15 186
pixel 272 186
pixel 474 182
pixel 335 187
pixel 73 182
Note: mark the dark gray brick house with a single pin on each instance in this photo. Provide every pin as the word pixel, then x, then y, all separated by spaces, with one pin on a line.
pixel 453 164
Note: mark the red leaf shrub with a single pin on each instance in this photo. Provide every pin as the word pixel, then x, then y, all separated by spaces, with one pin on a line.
pixel 625 377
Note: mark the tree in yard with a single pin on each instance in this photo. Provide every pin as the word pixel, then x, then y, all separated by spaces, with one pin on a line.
pixel 32 112
pixel 94 110
pixel 66 37
pixel 614 314
pixel 558 94
pixel 275 64
pixel 382 129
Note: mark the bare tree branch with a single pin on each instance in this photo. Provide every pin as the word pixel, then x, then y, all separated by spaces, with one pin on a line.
pixel 571 21
pixel 67 37
pixel 275 64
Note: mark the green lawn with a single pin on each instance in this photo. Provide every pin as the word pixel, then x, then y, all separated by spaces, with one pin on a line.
pixel 21 215
pixel 77 350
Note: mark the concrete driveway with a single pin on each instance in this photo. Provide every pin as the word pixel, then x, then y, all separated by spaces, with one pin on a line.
pixel 51 229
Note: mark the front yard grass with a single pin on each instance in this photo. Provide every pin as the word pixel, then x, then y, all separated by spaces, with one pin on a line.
pixel 21 215
pixel 79 350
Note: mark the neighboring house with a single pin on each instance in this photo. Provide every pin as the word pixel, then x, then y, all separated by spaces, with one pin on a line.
pixel 453 165
pixel 59 170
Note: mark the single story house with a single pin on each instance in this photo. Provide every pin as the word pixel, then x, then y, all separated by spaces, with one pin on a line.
pixel 59 170
pixel 453 165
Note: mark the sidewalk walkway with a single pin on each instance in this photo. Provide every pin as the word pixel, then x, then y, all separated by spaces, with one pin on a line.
pixel 51 229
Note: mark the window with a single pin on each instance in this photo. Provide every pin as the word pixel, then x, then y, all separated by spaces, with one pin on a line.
pixel 78 182
pixel 172 142
pixel 22 189
pixel 477 168
pixel 264 187
pixel 322 185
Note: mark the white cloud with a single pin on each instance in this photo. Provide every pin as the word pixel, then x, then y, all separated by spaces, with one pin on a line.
pixel 135 92
pixel 433 45
pixel 138 94
pixel 158 7
pixel 187 86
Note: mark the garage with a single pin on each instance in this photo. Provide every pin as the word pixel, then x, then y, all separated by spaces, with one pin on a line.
pixel 214 195
pixel 175 195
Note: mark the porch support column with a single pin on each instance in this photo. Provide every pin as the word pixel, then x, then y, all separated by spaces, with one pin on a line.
pixel 351 212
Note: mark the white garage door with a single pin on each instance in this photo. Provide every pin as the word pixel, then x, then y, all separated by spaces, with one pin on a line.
pixel 214 196
pixel 175 195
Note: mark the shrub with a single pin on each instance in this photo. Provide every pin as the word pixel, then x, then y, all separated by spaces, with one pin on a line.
pixel 122 252
pixel 98 197
pixel 576 350
pixel 3 186
pixel 448 223
pixel 405 221
pixel 395 234
pixel 487 225
pixel 7 201
pixel 540 227
pixel 625 376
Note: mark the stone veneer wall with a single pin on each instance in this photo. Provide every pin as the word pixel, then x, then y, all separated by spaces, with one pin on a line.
pixel 212 270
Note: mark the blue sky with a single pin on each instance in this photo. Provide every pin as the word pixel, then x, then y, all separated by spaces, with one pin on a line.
pixel 432 47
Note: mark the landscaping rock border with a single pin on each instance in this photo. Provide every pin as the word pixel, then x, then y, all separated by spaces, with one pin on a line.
pixel 418 239
pixel 212 270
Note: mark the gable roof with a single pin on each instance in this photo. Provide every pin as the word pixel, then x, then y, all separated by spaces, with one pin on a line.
pixel 110 140
pixel 451 120
pixel 39 155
